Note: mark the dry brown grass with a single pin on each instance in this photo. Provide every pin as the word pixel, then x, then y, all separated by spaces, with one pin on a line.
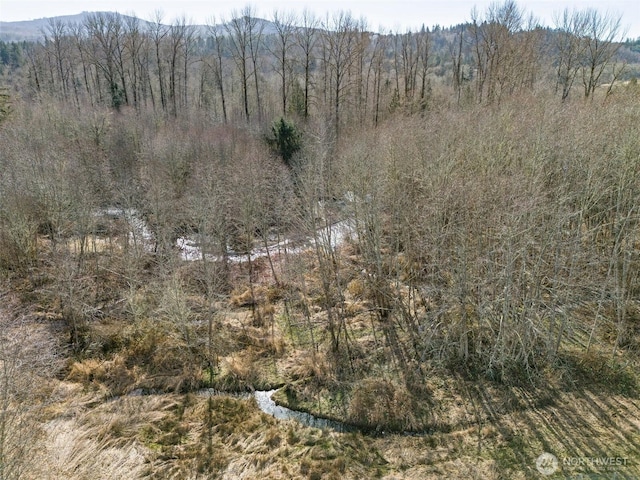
pixel 163 436
pixel 171 436
pixel 112 374
pixel 100 439
pixel 71 452
pixel 243 299
pixel 356 288
pixel 384 404
pixel 305 365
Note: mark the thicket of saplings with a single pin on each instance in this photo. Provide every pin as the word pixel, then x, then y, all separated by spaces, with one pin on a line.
pixel 468 224
pixel 497 242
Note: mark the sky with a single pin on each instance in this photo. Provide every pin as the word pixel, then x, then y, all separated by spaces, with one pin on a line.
pixel 390 14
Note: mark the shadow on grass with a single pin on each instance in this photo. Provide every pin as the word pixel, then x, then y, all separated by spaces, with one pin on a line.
pixel 585 414
pixel 598 374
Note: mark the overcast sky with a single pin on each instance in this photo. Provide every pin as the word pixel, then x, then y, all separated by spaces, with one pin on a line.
pixel 391 14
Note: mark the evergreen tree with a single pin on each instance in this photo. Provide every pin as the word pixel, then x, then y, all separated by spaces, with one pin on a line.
pixel 5 105
pixel 285 140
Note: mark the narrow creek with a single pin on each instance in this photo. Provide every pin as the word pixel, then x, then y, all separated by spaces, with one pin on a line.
pixel 140 233
pixel 268 405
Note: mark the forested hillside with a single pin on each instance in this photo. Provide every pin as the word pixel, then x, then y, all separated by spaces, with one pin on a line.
pixel 430 237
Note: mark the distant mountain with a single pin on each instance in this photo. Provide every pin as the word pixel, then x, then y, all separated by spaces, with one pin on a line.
pixel 31 30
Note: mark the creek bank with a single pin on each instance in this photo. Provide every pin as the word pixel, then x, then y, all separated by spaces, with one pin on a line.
pixel 270 407
pixel 267 405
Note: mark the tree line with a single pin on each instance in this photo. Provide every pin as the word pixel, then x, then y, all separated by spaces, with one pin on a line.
pixel 248 69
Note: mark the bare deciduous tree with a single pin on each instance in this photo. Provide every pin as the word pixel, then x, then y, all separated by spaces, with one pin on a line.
pixel 306 38
pixel 586 43
pixel 505 48
pixel 217 62
pixel 238 34
pixel 603 40
pixel 284 24
pixel 340 44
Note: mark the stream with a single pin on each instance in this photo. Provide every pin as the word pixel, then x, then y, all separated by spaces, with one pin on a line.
pixel 269 406
pixel 333 234
pixel 140 234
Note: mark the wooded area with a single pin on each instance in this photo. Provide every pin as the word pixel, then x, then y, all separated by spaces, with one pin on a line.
pixel 362 219
pixel 304 65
